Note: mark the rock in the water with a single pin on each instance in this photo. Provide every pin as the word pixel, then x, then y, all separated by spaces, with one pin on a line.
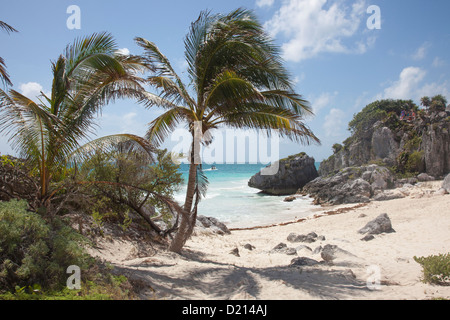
pixel 382 224
pixel 290 199
pixel 446 183
pixel 293 173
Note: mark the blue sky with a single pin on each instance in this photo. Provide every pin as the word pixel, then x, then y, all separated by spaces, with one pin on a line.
pixel 337 62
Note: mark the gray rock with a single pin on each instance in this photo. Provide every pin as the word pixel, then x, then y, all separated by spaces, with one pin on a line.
pixel 309 238
pixel 388 195
pixel 235 252
pixel 349 185
pixel 290 251
pixel 248 246
pixel 446 183
pixel 330 253
pixel 423 177
pixel 293 237
pixel 293 173
pixel 212 225
pixel 318 250
pixel 303 261
pixel 368 237
pixel 382 224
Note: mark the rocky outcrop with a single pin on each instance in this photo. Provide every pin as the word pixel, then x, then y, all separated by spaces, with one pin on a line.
pixel 350 185
pixel 293 173
pixel 422 146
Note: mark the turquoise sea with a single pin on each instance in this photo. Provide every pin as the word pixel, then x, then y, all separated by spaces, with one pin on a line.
pixel 233 202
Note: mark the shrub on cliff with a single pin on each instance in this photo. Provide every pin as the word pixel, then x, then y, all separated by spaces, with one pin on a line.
pixel 379 110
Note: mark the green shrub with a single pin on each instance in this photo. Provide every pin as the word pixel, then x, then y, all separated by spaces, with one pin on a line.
pixel 436 269
pixel 34 251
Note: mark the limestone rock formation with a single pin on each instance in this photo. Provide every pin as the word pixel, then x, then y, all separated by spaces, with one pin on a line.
pixel 293 173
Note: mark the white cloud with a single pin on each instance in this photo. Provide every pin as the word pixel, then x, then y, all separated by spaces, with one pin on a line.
pixel 438 62
pixel 407 84
pixel 31 90
pixel 316 26
pixel 123 51
pixel 264 3
pixel 421 52
pixel 322 101
pixel 334 123
pixel 410 86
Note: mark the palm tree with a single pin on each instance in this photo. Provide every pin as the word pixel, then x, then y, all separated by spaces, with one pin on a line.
pixel 237 80
pixel 86 77
pixel 4 77
pixel 426 102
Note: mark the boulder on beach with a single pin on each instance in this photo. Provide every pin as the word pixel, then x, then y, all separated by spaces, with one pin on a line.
pixel 293 173
pixel 382 224
pixel 446 183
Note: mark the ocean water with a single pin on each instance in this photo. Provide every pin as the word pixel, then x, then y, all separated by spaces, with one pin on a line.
pixel 234 203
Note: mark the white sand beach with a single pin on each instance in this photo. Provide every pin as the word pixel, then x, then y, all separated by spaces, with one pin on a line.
pixel 382 268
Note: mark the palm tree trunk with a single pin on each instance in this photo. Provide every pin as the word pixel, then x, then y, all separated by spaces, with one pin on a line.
pixel 188 219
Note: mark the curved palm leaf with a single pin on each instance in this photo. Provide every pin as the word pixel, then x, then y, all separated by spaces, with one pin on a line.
pixel 4 76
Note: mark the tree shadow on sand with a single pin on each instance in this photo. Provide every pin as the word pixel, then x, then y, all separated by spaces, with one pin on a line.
pixel 222 281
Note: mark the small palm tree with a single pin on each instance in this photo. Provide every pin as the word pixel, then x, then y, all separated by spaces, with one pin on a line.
pixel 4 76
pixel 237 80
pixel 426 102
pixel 86 77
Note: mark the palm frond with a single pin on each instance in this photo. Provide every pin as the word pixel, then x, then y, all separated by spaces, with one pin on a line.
pixel 162 67
pixel 7 27
pixel 4 76
pixel 268 119
pixel 164 124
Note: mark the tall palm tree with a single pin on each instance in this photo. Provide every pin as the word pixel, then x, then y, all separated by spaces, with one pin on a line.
pixel 4 76
pixel 237 79
pixel 86 77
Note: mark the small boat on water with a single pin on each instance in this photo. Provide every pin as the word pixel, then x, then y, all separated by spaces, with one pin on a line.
pixel 213 168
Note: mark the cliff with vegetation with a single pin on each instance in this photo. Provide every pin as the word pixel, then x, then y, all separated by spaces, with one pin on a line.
pixel 415 142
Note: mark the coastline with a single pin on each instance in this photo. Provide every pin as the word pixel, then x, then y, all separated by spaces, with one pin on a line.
pixel 223 267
